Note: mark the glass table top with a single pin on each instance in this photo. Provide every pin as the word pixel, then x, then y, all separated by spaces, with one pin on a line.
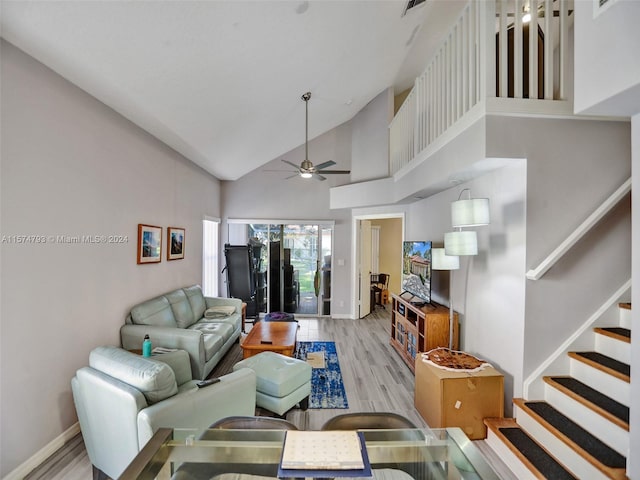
pixel 401 454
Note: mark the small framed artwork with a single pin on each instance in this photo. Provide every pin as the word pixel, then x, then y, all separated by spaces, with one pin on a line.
pixel 149 244
pixel 175 243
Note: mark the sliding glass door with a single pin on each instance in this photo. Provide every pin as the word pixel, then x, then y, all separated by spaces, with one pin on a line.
pixel 293 271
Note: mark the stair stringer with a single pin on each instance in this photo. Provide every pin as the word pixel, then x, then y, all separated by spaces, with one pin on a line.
pixel 607 315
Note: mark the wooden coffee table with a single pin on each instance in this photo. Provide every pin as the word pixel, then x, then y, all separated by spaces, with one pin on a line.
pixel 279 337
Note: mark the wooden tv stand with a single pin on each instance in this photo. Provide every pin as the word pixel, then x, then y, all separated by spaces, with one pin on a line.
pixel 416 329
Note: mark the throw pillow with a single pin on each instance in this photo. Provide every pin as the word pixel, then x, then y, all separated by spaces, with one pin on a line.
pixel 220 311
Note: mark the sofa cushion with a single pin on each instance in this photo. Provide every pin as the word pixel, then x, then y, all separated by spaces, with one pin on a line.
pixel 234 320
pixel 181 308
pixel 156 311
pixel 223 330
pixel 212 345
pixel 154 379
pixel 196 299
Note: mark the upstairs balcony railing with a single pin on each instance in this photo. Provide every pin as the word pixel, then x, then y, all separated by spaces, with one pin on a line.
pixel 497 50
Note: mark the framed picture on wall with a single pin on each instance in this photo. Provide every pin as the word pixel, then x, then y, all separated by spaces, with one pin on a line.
pixel 175 243
pixel 149 244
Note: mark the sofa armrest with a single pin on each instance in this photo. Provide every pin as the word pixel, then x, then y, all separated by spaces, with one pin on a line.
pixel 189 340
pixel 220 301
pixel 179 363
pixel 197 408
pixel 107 411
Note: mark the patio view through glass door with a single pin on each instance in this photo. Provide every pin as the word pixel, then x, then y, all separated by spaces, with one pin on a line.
pixel 294 267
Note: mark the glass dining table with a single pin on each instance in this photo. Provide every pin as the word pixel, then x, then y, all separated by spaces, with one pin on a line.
pixel 399 454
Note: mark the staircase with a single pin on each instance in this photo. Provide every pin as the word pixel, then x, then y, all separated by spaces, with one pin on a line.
pixel 580 429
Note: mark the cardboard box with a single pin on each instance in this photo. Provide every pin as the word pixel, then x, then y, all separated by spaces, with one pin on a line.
pixel 454 399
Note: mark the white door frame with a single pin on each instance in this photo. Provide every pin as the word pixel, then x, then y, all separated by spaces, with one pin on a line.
pixel 355 251
pixel 364 270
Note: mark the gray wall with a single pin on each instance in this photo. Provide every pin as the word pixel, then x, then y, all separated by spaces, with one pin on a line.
pixel 266 193
pixel 72 166
pixel 566 169
pixel 607 74
pixel 370 145
pixel 489 289
pixel 572 167
pixel 360 145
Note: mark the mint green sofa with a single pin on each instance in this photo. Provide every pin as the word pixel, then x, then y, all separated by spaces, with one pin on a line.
pixel 123 398
pixel 177 320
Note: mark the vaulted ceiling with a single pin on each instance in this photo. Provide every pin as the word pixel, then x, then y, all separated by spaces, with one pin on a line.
pixel 221 81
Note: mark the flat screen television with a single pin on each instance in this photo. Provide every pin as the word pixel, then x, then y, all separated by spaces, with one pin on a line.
pixel 416 271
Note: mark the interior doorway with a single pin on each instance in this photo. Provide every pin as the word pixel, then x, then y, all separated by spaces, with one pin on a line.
pixel 389 232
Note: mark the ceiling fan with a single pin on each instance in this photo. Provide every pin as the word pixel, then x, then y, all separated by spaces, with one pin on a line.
pixel 306 169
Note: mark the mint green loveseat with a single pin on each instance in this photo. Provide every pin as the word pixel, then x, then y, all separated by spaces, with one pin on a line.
pixel 177 320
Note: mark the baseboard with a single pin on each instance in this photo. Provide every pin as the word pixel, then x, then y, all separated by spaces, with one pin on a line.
pixel 343 316
pixel 41 455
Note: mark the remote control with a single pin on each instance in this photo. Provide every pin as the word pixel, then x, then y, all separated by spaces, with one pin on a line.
pixel 206 383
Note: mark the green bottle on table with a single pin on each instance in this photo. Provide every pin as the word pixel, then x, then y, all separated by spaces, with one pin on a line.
pixel 146 346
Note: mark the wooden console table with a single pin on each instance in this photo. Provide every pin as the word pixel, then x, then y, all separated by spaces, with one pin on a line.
pixel 416 329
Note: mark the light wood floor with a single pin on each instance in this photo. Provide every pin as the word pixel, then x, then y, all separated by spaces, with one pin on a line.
pixel 375 380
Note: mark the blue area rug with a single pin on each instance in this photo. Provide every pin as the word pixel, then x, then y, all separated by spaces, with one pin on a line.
pixel 327 389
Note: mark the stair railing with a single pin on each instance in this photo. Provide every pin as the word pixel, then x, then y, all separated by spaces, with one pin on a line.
pixel 481 65
pixel 578 233
pixel 447 89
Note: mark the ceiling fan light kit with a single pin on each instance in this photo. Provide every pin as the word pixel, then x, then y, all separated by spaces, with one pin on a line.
pixel 306 168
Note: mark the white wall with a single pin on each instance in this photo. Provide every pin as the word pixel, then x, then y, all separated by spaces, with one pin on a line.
pixel 607 70
pixel 72 166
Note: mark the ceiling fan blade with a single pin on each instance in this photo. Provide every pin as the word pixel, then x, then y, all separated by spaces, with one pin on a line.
pixel 297 167
pixel 336 172
pixel 325 165
pixel 292 176
pixel 318 177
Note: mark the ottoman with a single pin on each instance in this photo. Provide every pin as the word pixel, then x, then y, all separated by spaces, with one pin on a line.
pixel 281 382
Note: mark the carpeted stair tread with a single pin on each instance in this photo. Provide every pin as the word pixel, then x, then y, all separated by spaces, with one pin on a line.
pixel 578 435
pixel 608 362
pixel 593 396
pixel 538 456
pixel 623 333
